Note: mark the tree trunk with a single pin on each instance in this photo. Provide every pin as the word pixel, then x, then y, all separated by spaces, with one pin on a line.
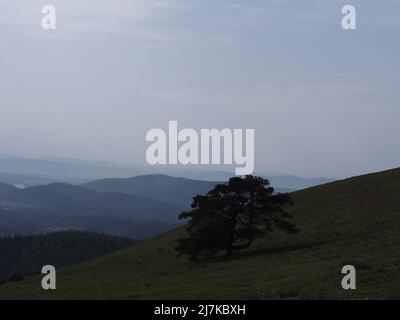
pixel 230 238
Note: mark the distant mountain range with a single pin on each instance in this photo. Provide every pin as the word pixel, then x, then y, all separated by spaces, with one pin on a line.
pixel 6 189
pixel 163 188
pixel 53 194
pixel 136 207
pixel 60 198
pixel 64 207
pixel 23 181
pixel 26 172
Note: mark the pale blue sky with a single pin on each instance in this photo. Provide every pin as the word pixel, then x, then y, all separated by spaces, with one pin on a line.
pixel 323 101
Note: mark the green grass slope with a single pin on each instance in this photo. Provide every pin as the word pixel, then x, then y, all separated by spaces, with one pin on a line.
pixel 354 221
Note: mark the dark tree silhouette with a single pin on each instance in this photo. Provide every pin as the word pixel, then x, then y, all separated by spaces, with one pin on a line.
pixel 232 215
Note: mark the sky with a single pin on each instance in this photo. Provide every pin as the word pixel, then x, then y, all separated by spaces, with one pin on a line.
pixel 323 101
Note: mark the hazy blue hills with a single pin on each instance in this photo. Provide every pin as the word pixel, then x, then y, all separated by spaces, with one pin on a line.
pixel 24 180
pixel 137 207
pixel 6 189
pixel 61 206
pixel 176 191
pixel 27 172
pixel 66 194
pixel 60 197
pixel 179 191
pixel 61 171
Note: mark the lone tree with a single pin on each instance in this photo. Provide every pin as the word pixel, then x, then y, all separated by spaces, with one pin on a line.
pixel 232 215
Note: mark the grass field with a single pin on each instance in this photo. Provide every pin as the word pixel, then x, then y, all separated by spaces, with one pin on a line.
pixel 354 221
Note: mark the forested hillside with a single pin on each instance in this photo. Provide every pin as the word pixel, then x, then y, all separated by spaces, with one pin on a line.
pixel 25 255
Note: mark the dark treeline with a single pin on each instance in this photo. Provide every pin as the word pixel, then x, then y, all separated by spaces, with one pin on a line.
pixel 26 255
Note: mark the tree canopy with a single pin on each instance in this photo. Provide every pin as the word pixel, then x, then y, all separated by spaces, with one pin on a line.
pixel 232 215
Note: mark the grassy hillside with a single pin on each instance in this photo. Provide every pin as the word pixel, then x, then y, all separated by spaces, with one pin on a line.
pixel 354 221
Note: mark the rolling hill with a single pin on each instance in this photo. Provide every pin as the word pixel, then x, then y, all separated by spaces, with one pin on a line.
pixel 61 198
pixel 354 221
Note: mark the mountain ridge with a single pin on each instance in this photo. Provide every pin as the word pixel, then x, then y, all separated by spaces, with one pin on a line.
pixel 157 187
pixel 26 172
